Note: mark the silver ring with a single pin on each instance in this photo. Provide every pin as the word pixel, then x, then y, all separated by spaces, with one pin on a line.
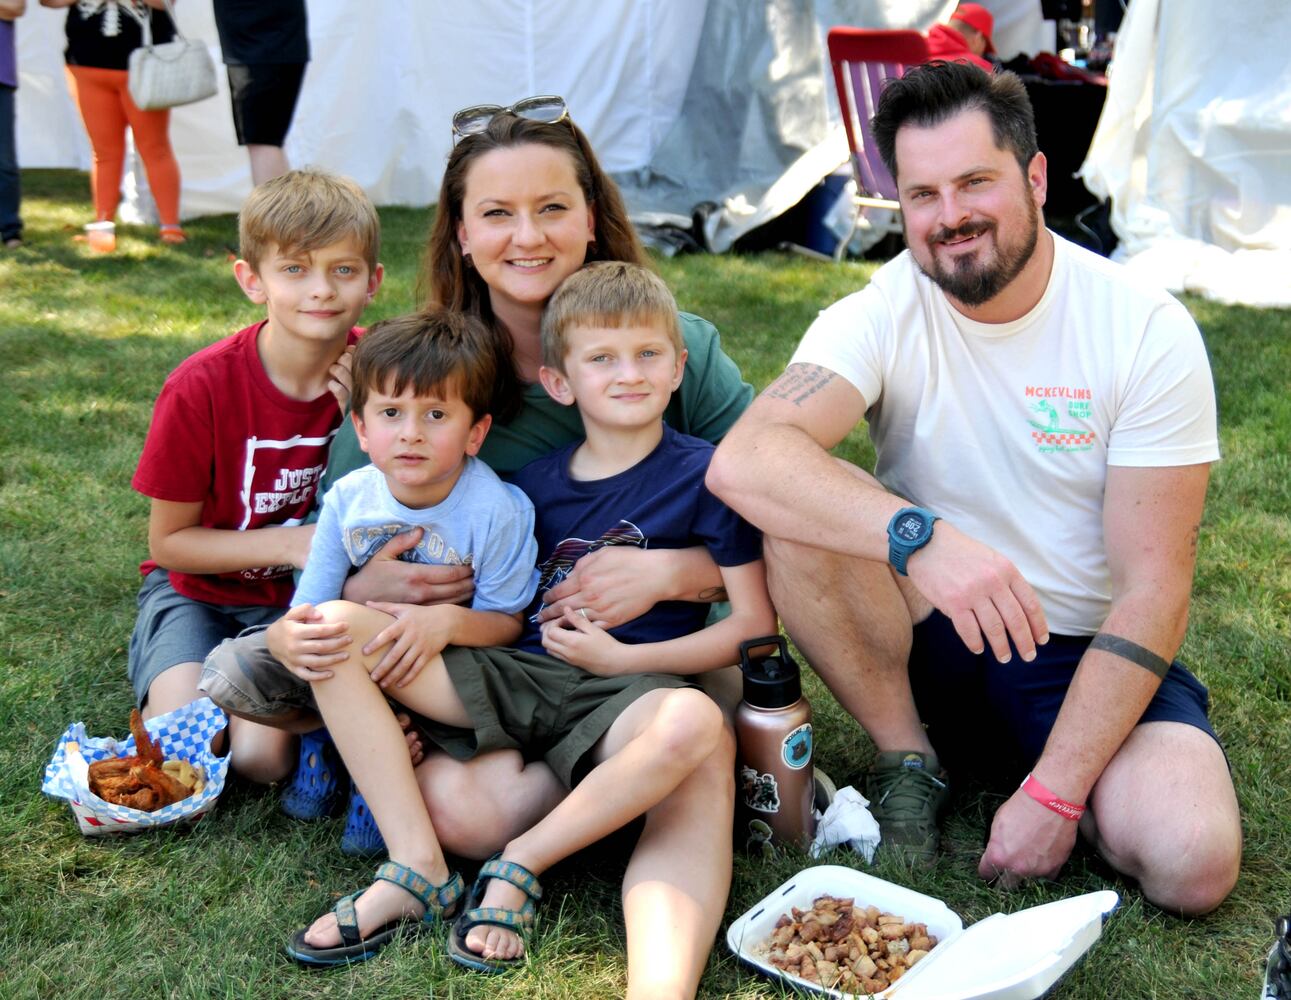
pixel 583 612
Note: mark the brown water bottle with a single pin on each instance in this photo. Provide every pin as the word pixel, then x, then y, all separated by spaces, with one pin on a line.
pixel 774 782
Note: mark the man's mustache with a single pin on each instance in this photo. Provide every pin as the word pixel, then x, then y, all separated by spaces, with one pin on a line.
pixel 968 229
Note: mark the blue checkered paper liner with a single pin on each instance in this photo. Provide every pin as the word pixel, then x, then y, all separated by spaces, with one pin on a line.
pixel 185 733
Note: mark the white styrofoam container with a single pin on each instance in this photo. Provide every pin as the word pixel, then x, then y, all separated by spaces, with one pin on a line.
pixel 1014 957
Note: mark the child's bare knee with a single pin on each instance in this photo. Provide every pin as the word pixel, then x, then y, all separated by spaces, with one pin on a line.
pixel 338 611
pixel 688 725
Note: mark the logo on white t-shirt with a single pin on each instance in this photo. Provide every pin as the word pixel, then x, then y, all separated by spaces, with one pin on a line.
pixel 1058 409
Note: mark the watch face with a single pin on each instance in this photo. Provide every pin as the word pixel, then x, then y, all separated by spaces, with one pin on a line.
pixel 910 528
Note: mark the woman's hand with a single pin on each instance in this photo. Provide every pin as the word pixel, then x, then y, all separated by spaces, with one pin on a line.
pixel 617 584
pixel 340 380
pixel 583 643
pixel 385 577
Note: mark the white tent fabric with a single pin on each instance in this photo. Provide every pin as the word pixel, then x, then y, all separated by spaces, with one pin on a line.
pixel 385 79
pixel 759 126
pixel 1193 147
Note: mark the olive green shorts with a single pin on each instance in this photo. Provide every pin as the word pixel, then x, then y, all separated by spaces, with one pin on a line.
pixel 537 704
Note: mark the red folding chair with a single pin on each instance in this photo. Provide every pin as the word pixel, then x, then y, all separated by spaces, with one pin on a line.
pixel 864 59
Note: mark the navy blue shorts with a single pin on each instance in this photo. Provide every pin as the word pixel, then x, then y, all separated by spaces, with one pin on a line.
pixel 996 716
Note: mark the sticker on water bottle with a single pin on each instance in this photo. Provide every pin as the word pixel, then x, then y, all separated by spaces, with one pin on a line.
pixel 796 749
pixel 760 790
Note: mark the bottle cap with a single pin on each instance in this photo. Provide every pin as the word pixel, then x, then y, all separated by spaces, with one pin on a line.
pixel 773 680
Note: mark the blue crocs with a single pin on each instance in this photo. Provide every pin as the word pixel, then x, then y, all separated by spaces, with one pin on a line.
pixel 361 838
pixel 315 789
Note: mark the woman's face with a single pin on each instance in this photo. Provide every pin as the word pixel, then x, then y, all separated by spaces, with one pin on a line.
pixel 525 223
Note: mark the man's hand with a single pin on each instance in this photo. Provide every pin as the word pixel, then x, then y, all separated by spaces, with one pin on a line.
pixel 386 577
pixel 416 637
pixel 306 645
pixel 613 584
pixel 340 380
pixel 981 592
pixel 1027 841
pixel 583 643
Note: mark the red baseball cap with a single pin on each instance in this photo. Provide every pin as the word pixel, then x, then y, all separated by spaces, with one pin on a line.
pixel 976 16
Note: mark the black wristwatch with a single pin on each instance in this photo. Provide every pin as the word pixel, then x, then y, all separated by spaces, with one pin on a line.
pixel 909 530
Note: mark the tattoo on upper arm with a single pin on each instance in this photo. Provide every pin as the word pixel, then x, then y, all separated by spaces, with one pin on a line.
pixel 1132 651
pixel 1192 540
pixel 713 594
pixel 799 382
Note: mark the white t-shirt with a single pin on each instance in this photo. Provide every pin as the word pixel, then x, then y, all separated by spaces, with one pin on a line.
pixel 1007 429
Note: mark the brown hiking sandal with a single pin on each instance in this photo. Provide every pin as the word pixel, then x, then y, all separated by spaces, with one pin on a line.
pixel 907 791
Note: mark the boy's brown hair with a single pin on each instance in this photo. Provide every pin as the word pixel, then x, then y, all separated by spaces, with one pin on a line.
pixel 305 210
pixel 435 352
pixel 608 294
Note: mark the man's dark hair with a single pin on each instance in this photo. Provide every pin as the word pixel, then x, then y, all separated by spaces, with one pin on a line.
pixel 934 92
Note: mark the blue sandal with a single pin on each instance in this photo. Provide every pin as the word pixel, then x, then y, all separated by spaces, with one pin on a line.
pixel 473 915
pixel 315 789
pixel 440 902
pixel 361 838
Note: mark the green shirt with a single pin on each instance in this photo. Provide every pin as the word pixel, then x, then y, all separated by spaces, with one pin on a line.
pixel 711 397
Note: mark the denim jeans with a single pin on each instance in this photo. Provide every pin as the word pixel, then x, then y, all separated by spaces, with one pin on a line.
pixel 10 193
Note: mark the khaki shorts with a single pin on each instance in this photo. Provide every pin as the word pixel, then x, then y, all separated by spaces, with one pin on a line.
pixel 538 705
pixel 242 676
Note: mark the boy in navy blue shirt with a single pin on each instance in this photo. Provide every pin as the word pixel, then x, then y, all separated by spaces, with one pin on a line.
pixel 611 711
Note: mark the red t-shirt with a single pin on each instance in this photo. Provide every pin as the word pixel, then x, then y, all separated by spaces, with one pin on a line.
pixel 223 434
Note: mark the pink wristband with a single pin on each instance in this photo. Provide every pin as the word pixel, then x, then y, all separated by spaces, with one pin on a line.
pixel 1065 809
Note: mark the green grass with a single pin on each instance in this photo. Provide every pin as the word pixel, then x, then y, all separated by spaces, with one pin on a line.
pixel 85 342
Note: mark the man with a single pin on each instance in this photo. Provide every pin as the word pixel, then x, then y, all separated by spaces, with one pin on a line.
pixel 1055 424
pixel 965 38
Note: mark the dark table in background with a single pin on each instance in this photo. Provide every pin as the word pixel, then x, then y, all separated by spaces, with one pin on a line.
pixel 1066 114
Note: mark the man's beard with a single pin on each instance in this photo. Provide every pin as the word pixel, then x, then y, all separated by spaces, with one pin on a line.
pixel 970 282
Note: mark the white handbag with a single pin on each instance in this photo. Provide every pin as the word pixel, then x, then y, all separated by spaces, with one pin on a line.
pixel 173 73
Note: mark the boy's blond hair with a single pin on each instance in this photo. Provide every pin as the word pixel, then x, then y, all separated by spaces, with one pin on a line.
pixel 305 210
pixel 608 294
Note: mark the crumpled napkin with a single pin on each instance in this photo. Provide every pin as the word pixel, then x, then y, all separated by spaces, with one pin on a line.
pixel 847 821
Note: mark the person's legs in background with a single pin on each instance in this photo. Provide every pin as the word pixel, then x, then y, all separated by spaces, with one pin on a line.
pixel 95 92
pixel 267 162
pixel 10 189
pixel 152 139
pixel 264 100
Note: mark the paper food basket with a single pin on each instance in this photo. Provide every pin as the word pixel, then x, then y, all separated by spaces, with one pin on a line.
pixel 185 733
pixel 1013 957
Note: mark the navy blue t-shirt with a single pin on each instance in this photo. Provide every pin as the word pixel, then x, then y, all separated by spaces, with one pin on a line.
pixel 659 503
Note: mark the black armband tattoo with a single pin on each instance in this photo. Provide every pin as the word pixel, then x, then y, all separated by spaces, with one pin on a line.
pixel 1131 651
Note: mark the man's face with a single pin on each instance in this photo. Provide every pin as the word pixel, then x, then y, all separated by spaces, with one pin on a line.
pixel 971 217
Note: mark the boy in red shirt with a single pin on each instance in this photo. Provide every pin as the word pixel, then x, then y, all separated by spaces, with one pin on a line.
pixel 238 445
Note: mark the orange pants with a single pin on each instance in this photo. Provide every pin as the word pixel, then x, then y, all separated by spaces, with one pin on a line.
pixel 106 109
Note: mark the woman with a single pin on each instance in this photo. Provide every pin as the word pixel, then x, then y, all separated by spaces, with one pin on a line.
pixel 524 204
pixel 101 34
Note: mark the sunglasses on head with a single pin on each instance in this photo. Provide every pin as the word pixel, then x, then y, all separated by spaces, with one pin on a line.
pixel 547 109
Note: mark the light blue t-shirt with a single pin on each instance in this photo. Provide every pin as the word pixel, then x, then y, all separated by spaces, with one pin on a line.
pixel 484 523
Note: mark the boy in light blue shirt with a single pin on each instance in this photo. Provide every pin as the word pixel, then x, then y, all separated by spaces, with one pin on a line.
pixel 422 388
